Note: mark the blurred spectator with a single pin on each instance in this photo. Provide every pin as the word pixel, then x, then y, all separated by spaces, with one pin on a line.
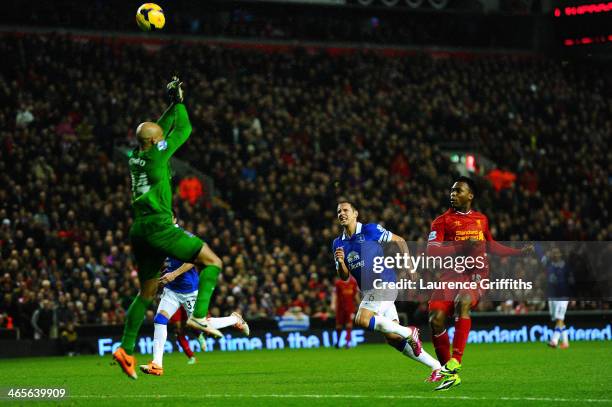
pixel 24 117
pixel 190 189
pixel 6 321
pixel 44 321
pixel 69 340
pixel 501 179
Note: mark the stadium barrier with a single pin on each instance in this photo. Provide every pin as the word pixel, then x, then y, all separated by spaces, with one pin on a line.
pixel 486 328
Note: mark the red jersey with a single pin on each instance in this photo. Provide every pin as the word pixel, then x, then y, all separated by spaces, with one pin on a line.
pixel 345 294
pixel 455 226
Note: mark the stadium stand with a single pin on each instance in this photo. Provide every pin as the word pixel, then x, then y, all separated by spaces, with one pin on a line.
pixel 282 134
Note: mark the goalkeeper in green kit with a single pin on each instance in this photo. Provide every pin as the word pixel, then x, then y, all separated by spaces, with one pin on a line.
pixel 153 234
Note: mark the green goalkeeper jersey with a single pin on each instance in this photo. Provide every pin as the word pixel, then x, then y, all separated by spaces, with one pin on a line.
pixel 150 169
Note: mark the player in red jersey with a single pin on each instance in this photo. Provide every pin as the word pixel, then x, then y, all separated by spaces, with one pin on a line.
pixel 462 228
pixel 179 320
pixel 345 297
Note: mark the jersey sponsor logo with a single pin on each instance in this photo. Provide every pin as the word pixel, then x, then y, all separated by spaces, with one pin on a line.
pixel 354 260
pixel 162 145
pixel 432 235
pixel 469 234
pixel 352 257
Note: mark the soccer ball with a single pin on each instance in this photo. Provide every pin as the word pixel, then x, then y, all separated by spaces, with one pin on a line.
pixel 150 17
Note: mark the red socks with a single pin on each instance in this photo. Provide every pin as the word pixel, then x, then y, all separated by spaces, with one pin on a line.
pixel 182 339
pixel 348 337
pixel 442 345
pixel 462 331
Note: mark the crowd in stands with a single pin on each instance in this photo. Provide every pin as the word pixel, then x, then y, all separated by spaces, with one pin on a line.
pixel 382 25
pixel 282 135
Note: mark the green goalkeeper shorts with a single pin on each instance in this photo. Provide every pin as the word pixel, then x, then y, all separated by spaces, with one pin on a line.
pixel 154 238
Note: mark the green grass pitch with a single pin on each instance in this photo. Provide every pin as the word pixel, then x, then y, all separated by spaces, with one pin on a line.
pixel 500 374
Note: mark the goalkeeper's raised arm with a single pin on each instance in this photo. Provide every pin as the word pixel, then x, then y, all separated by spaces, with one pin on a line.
pixel 174 122
pixel 173 127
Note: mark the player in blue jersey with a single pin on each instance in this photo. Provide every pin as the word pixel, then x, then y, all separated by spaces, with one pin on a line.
pixel 181 289
pixel 353 253
pixel 559 280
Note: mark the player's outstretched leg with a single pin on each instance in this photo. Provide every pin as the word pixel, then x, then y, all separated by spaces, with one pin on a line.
pixel 368 319
pixel 211 265
pixel 425 358
pixel 235 320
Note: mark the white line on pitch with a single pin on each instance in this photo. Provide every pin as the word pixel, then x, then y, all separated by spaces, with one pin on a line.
pixel 338 396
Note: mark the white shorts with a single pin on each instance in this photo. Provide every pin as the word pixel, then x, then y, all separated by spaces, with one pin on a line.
pixel 372 302
pixel 170 302
pixel 557 309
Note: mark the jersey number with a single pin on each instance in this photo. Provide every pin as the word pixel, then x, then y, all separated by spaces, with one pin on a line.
pixel 189 304
pixel 140 184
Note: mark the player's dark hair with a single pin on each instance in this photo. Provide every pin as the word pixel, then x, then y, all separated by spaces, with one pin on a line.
pixel 344 200
pixel 470 183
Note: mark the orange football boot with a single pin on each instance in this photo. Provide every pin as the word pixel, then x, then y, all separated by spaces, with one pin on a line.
pixel 127 362
pixel 152 369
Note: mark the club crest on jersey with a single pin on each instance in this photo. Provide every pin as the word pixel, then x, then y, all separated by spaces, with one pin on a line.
pixel 360 238
pixel 432 235
pixel 457 223
pixel 162 145
pixel 478 222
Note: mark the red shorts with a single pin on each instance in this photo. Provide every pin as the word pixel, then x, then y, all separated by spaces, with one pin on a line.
pixel 179 316
pixel 344 316
pixel 444 299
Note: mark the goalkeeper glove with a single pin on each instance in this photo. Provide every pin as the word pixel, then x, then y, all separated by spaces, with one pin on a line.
pixel 175 90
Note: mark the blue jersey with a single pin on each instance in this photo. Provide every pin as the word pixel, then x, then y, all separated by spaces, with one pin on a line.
pixel 360 251
pixel 558 276
pixel 186 282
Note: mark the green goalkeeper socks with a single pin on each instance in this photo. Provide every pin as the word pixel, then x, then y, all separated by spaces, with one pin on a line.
pixel 208 281
pixel 133 321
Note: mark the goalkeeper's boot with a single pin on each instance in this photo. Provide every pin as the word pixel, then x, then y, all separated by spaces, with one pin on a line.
pixel 202 342
pixel 127 362
pixel 202 324
pixel 152 369
pixel 448 382
pixel 241 325
pixel 415 341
